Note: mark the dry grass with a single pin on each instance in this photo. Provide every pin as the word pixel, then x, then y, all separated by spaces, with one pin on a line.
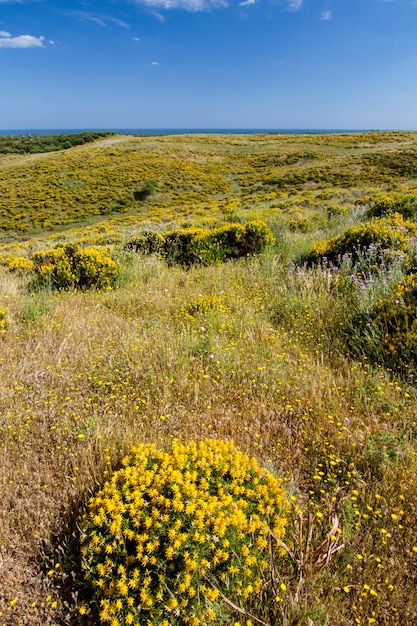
pixel 253 351
pixel 189 355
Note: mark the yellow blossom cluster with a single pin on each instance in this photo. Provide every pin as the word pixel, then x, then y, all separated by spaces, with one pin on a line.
pixel 68 266
pixel 171 533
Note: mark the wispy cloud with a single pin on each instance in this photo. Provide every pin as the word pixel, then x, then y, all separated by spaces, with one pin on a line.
pixel 326 15
pixel 101 19
pixel 295 5
pixel 186 5
pixel 208 5
pixel 21 41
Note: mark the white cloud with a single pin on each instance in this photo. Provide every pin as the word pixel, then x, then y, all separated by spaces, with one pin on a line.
pixel 22 41
pixel 208 5
pixel 295 5
pixel 326 15
pixel 136 38
pixel 155 63
pixel 101 19
pixel 186 5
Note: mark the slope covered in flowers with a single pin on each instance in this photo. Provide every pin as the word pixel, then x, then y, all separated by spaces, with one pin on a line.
pixel 306 369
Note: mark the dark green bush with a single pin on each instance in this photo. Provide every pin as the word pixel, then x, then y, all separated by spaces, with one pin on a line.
pixel 184 247
pixel 146 242
pixel 192 246
pixel 146 189
pixel 32 144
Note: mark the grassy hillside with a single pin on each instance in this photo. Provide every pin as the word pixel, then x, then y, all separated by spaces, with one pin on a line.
pixel 304 355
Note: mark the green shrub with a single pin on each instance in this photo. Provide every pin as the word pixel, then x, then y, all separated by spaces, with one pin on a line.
pixel 185 247
pixel 146 242
pixel 393 233
pixel 146 189
pixel 32 144
pixel 192 246
pixel 381 449
pixel 385 205
pixel 171 535
pixel 69 266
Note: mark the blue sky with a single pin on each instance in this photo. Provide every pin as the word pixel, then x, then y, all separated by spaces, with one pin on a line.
pixel 348 64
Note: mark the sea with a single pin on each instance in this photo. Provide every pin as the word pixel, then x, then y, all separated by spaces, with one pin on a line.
pixel 181 131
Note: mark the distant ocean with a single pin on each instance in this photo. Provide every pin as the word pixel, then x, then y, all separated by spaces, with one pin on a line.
pixel 181 131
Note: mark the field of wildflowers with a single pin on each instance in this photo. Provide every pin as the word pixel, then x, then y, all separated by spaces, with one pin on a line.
pixel 222 443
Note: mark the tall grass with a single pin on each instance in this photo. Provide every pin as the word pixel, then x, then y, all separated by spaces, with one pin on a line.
pixel 248 351
pixel 264 351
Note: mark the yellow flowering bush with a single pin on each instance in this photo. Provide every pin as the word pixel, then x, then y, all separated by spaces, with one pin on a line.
pixel 173 535
pixel 204 246
pixel 20 265
pixel 69 266
pixel 388 204
pixel 393 233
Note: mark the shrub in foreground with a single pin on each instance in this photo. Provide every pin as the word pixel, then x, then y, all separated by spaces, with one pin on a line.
pixel 69 266
pixel 174 538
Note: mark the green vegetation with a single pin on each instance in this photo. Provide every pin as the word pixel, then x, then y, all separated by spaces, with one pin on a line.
pixel 69 266
pixel 184 530
pixel 203 246
pixel 384 205
pixel 191 441
pixel 387 235
pixel 34 144
pixel 389 331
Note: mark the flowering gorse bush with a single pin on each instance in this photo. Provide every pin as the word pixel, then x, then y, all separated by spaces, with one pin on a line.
pixel 69 266
pixel 393 233
pixel 172 535
pixel 387 204
pixel 204 246
pixel 20 264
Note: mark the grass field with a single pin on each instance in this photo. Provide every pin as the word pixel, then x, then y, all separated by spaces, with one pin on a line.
pixel 310 367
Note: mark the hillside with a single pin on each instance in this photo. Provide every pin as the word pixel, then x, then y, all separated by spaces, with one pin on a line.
pixel 302 351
